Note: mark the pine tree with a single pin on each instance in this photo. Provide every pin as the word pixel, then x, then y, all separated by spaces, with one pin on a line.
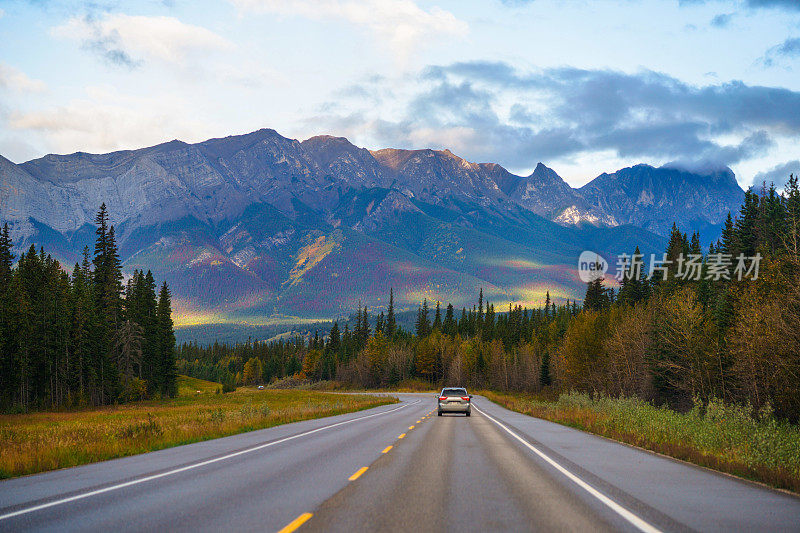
pixel 677 246
pixel 695 247
pixel 596 295
pixel 791 234
pixel 359 322
pixel 547 305
pixel 633 288
pixel 449 324
pixel 745 228
pixel 148 320
pixel 488 331
pixel 423 324
pixel 128 347
pixel 6 257
pixel 544 370
pixel 333 338
pixel 315 340
pixel 365 330
pixel 437 320
pixel 725 244
pixel 166 336
pixel 380 324
pixel 480 310
pixel 391 322
pixel 8 334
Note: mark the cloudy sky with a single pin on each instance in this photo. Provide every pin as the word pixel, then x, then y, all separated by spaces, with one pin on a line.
pixel 583 86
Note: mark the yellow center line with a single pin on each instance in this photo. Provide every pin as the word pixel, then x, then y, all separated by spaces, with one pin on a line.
pixel 418 421
pixel 297 522
pixel 358 473
pixel 401 435
pixel 410 427
pixel 386 449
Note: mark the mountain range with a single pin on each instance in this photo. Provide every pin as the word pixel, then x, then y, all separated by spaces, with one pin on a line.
pixel 256 227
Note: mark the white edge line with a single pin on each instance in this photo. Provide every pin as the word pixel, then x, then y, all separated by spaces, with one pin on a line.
pixel 190 467
pixel 614 506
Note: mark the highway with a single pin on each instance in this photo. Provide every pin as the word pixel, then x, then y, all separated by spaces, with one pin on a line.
pixel 397 468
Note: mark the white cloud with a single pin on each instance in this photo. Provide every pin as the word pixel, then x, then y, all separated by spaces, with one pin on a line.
pixel 106 120
pixel 402 24
pixel 16 80
pixel 128 40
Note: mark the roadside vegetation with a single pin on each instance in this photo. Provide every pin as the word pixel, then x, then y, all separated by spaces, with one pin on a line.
pixel 42 441
pixel 189 386
pixel 728 438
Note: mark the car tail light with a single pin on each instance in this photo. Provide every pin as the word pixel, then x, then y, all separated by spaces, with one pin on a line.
pixel 442 398
pixel 465 398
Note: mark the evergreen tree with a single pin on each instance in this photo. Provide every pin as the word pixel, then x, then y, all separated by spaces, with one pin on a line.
pixel 449 324
pixel 596 295
pixel 745 228
pixel 633 287
pixel 423 324
pixel 166 345
pixel 6 257
pixel 725 244
pixel 128 348
pixel 8 333
pixel 391 322
pixel 333 338
pixel 380 323
pixel 437 320
pixel 695 247
pixel 544 370
pixel 480 310
pixel 365 330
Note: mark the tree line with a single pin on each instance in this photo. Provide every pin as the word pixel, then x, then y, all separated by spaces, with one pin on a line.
pixel 83 338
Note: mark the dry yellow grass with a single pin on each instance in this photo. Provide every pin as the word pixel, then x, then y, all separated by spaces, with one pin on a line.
pixel 37 442
pixel 188 386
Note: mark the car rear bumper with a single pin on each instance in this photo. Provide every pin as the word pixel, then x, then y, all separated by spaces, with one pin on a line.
pixel 454 407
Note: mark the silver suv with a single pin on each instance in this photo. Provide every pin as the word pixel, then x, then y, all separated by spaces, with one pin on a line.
pixel 453 400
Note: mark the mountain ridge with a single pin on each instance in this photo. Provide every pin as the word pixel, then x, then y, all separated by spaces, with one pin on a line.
pixel 258 224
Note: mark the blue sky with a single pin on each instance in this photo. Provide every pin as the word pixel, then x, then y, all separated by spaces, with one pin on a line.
pixel 583 86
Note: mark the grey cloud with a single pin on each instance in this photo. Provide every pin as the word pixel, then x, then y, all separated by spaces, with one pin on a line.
pixel 109 50
pixel 792 5
pixel 108 46
pixel 501 114
pixel 603 96
pixel 722 20
pixel 790 48
pixel 778 174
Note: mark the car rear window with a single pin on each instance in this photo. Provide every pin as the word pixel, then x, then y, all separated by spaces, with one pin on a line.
pixel 454 392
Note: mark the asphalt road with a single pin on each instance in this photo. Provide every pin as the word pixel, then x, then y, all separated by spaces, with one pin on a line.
pixel 494 471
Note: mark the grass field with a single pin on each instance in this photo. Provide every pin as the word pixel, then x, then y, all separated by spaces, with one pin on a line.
pixel 723 437
pixel 37 442
pixel 188 386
